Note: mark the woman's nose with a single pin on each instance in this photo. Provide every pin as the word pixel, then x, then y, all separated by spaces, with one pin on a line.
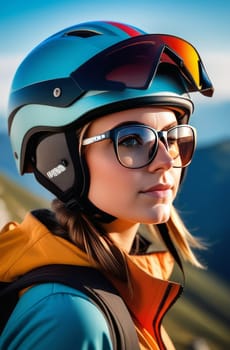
pixel 162 159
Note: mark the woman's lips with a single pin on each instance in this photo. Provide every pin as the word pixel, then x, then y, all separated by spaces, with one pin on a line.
pixel 159 191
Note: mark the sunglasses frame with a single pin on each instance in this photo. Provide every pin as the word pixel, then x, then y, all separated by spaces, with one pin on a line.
pixel 161 135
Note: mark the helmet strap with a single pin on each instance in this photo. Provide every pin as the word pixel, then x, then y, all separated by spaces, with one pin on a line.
pixel 89 209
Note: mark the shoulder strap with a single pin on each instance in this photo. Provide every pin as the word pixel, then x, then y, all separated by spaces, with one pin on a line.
pixel 94 284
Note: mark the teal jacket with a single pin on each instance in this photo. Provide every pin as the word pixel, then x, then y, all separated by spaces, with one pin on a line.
pixel 55 317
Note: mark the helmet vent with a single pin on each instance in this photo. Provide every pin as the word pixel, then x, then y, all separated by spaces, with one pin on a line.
pixel 83 33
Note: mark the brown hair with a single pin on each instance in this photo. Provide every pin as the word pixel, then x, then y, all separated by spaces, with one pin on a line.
pixel 91 238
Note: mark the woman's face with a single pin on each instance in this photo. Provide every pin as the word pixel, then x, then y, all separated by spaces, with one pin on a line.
pixel 143 195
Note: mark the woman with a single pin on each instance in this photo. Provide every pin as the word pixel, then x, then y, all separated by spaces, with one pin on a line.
pixel 99 113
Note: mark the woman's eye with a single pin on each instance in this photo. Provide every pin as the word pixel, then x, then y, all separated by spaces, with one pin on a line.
pixel 130 141
pixel 172 140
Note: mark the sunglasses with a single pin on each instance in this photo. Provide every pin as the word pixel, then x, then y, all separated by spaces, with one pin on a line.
pixel 131 63
pixel 136 145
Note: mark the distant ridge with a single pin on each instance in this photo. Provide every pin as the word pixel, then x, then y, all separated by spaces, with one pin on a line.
pixel 7 166
pixel 204 204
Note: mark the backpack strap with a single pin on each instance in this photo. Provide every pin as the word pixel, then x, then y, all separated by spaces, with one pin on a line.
pixel 91 282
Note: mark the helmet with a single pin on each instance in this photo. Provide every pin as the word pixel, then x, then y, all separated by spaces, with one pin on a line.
pixel 61 85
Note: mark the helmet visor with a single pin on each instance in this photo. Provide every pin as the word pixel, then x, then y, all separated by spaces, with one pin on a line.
pixel 133 64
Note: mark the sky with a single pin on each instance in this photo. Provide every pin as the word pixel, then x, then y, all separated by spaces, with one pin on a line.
pixel 25 23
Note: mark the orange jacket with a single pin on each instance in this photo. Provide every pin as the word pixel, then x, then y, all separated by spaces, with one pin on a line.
pixel 30 244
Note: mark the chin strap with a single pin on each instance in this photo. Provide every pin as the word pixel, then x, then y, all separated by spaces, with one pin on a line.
pixel 171 247
pixel 89 209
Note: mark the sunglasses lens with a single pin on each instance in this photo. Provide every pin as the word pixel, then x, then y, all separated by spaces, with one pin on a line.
pixel 181 144
pixel 136 146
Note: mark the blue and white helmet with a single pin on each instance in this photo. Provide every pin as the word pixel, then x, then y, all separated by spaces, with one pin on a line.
pixel 73 77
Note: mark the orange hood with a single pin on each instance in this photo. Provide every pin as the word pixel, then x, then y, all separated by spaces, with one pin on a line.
pixel 30 244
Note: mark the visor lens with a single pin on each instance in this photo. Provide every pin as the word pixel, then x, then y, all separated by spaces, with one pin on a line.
pixel 188 54
pixel 134 62
pixel 136 146
pixel 133 66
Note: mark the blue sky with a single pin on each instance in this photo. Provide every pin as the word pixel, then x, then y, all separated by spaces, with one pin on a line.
pixel 25 23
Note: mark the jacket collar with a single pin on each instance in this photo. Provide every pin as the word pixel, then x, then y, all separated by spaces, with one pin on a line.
pixel 151 295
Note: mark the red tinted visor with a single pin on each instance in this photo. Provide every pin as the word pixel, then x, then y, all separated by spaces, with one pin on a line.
pixel 133 63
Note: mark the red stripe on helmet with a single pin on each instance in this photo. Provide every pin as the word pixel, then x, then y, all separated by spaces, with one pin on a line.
pixel 127 29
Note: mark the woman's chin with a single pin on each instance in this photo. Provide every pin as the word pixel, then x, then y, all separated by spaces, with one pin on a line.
pixel 158 215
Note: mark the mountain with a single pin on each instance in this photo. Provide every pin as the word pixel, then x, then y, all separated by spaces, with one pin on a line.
pixel 200 319
pixel 204 204
pixel 7 166
pixel 16 201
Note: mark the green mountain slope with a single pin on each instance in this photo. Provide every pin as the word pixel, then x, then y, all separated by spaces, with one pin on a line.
pixel 202 312
pixel 15 201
